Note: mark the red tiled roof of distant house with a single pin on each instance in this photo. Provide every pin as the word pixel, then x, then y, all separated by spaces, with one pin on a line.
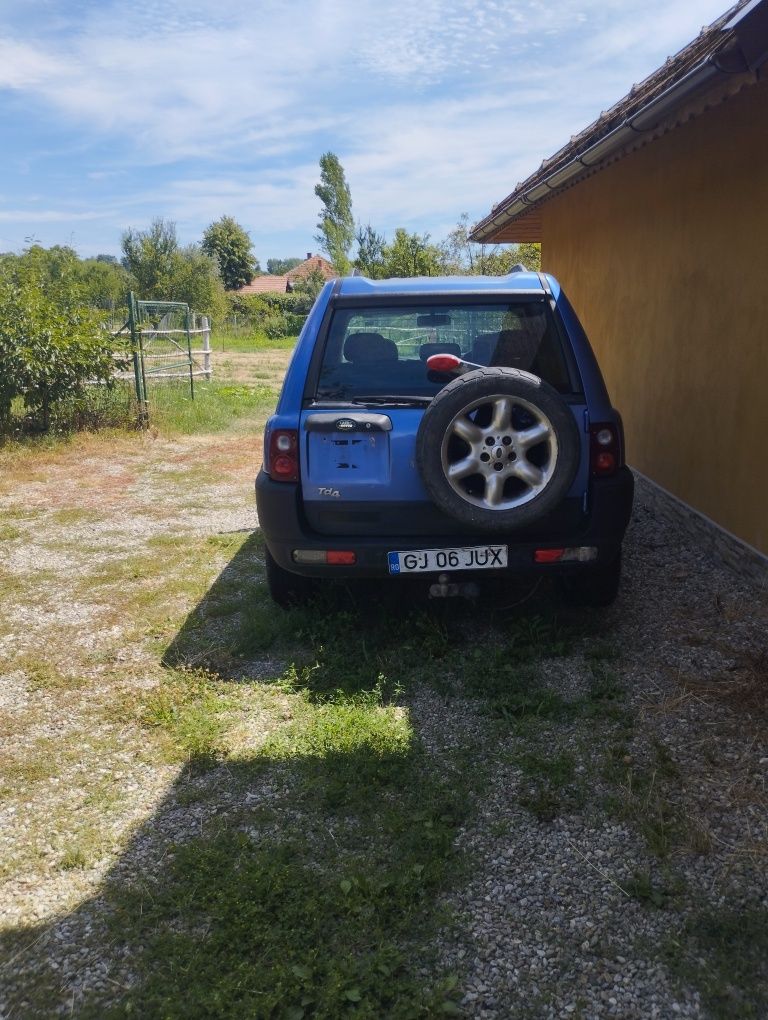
pixel 310 265
pixel 265 285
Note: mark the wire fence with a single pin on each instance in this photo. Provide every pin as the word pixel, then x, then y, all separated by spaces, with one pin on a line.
pixel 161 341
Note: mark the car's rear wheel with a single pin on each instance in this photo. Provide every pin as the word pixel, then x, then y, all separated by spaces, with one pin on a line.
pixel 497 449
pixel 287 589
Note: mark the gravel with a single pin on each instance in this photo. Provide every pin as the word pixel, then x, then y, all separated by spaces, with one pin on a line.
pixel 545 924
pixel 545 927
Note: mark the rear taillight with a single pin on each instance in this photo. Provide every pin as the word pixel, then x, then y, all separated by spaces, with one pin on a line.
pixel 283 455
pixel 604 448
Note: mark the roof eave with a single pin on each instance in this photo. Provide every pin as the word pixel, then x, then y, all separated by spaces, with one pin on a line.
pixel 748 29
pixel 645 119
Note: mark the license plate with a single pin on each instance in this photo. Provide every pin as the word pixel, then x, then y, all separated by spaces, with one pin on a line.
pixel 422 561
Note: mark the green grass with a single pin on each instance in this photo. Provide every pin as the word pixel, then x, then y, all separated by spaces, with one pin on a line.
pixel 247 341
pixel 315 917
pixel 216 407
pixel 724 954
pixel 191 709
pixel 310 904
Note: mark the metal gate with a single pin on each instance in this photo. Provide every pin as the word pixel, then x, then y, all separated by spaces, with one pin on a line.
pixel 161 335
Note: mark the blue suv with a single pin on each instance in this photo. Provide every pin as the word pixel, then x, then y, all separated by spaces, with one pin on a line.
pixel 451 429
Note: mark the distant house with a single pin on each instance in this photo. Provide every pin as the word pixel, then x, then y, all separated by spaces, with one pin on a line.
pixel 311 264
pixel 264 285
pixel 654 219
pixel 284 284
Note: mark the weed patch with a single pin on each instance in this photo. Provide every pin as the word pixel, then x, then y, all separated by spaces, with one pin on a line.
pixel 238 929
pixel 191 710
pixel 724 954
pixel 216 407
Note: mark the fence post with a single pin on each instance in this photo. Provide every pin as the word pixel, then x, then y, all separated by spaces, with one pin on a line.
pixel 137 350
pixel 207 372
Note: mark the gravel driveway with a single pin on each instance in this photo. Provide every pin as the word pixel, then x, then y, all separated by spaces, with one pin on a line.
pixel 613 858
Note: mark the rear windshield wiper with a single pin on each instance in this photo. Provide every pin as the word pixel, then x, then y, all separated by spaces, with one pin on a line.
pixel 404 399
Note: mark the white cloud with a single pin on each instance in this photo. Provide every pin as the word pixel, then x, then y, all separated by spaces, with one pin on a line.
pixel 192 76
pixel 23 66
pixel 434 108
pixel 45 216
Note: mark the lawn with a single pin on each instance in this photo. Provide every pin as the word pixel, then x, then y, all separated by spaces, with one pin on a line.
pixel 214 808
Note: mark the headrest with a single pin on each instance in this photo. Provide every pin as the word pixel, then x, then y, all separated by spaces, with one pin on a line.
pixel 363 347
pixel 514 346
pixel 483 347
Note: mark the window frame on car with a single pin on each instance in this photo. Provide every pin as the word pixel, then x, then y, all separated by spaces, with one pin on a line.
pixel 435 301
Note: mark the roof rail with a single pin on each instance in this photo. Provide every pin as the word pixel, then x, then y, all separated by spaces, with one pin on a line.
pixel 518 268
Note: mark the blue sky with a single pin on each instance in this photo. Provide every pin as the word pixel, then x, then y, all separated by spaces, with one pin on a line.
pixel 113 112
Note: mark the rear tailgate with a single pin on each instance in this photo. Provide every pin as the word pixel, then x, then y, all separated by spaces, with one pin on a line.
pixel 359 476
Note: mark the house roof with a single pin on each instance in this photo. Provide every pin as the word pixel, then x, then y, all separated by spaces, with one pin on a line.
pixel 736 43
pixel 311 264
pixel 265 285
pixel 282 284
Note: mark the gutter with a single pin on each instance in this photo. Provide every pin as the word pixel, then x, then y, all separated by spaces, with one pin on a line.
pixel 750 31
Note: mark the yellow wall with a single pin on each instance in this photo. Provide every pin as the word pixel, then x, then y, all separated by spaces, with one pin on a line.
pixel 664 255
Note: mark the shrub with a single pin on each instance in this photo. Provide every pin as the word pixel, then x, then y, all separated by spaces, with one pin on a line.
pixel 274 315
pixel 50 345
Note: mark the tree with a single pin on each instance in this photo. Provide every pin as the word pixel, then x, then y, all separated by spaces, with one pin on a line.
pixel 197 282
pixel 370 252
pixel 279 267
pixel 51 346
pixel 411 255
pixel 104 284
pixel 500 261
pixel 459 255
pixel 529 253
pixel 336 226
pixel 161 271
pixel 151 257
pixel 227 242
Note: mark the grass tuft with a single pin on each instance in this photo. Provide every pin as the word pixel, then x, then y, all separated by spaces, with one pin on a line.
pixel 216 407
pixel 724 954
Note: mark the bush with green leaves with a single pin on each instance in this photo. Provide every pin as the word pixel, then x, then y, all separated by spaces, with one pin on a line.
pixel 51 345
pixel 274 315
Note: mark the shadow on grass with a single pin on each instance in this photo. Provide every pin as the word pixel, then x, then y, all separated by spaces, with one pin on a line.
pixel 299 875
pixel 295 878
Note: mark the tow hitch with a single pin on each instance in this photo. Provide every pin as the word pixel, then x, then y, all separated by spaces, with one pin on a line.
pixel 445 588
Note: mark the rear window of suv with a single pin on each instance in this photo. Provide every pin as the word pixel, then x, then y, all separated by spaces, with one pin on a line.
pixel 382 351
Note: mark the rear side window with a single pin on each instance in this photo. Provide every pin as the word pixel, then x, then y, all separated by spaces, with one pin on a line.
pixel 381 351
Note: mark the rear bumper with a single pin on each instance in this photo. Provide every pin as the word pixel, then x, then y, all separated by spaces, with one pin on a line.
pixel 285 529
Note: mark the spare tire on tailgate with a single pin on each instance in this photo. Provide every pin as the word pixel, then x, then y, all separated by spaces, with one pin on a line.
pixel 497 449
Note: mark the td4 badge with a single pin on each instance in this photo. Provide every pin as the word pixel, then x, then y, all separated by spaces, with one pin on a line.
pixel 324 490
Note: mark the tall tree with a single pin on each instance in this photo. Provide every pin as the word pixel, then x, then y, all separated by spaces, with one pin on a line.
pixel 227 242
pixel 336 226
